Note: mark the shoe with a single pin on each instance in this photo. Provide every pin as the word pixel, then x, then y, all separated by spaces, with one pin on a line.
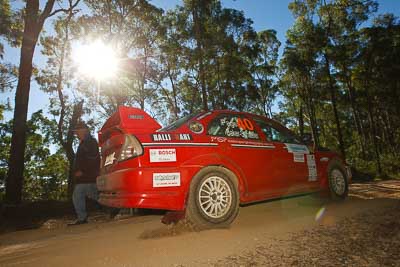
pixel 113 212
pixel 78 222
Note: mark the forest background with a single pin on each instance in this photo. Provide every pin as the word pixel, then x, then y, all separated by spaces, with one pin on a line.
pixel 336 77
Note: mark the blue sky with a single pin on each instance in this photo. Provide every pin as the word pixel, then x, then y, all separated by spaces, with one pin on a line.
pixel 266 14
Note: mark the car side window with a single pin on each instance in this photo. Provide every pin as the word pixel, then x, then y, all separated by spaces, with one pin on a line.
pixel 232 125
pixel 276 135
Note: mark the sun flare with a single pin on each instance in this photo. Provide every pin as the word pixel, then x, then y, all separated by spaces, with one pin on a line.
pixel 96 60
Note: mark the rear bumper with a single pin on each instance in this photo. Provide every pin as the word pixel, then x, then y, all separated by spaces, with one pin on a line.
pixel 133 188
pixel 168 201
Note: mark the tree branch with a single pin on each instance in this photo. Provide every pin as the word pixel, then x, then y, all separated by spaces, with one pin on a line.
pixel 71 7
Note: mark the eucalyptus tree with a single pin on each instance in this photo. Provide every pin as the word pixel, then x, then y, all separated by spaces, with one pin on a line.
pixel 10 30
pixel 300 67
pixel 338 21
pixel 232 84
pixel 56 78
pixel 265 70
pixel 34 20
pixel 131 29
pixel 214 46
pixel 376 76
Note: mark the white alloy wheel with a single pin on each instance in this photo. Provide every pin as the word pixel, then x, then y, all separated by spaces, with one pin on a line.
pixel 338 182
pixel 215 197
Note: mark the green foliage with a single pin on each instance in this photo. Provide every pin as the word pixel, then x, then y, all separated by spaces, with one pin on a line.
pixel 45 173
pixel 345 79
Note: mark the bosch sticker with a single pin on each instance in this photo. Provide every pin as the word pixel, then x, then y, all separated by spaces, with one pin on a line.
pixel 163 155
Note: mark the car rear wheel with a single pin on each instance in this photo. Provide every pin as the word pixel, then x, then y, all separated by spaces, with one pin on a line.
pixel 213 199
pixel 338 185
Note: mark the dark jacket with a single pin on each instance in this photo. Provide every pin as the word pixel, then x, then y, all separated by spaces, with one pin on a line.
pixel 87 160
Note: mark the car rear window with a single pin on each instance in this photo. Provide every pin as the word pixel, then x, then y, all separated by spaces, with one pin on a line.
pixel 178 123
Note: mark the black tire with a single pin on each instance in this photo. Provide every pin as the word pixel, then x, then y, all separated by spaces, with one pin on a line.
pixel 213 200
pixel 338 182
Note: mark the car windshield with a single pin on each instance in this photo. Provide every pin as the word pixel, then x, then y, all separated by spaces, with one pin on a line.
pixel 178 123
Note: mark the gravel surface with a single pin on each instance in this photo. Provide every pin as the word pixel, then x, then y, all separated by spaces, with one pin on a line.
pixel 368 239
pixel 363 230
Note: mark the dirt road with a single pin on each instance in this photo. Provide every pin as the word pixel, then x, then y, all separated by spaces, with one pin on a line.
pixel 300 231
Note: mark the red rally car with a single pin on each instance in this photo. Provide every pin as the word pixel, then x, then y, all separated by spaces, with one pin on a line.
pixel 209 163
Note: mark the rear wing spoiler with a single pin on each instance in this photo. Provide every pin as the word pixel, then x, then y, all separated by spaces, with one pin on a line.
pixel 128 120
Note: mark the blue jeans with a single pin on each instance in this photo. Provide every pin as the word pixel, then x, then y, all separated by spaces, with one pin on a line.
pixel 81 191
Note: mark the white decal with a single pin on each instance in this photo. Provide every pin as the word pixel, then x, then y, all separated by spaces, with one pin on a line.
pixel 162 137
pixel 294 148
pixel 166 179
pixel 163 155
pixel 298 157
pixel 312 168
pixel 185 137
pixel 324 159
pixel 109 159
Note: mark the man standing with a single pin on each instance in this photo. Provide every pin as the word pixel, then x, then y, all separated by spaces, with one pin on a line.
pixel 86 169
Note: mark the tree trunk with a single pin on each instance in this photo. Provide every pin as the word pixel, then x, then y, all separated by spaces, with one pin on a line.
pixel 32 28
pixel 301 122
pixel 198 28
pixel 18 142
pixel 356 117
pixel 373 130
pixel 15 173
pixel 334 107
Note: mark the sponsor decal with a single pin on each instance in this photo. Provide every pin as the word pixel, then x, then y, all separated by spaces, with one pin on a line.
pixel 183 137
pixel 312 168
pixel 163 155
pixel 180 144
pixel 161 137
pixel 196 127
pixel 166 179
pixel 250 144
pixel 218 139
pixel 135 117
pixel 324 159
pixel 298 157
pixel 171 137
pixel 238 128
pixel 295 148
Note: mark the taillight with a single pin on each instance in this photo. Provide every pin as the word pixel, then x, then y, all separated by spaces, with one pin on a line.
pixel 130 149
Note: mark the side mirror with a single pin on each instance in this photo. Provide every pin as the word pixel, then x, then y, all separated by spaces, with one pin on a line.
pixel 307 139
